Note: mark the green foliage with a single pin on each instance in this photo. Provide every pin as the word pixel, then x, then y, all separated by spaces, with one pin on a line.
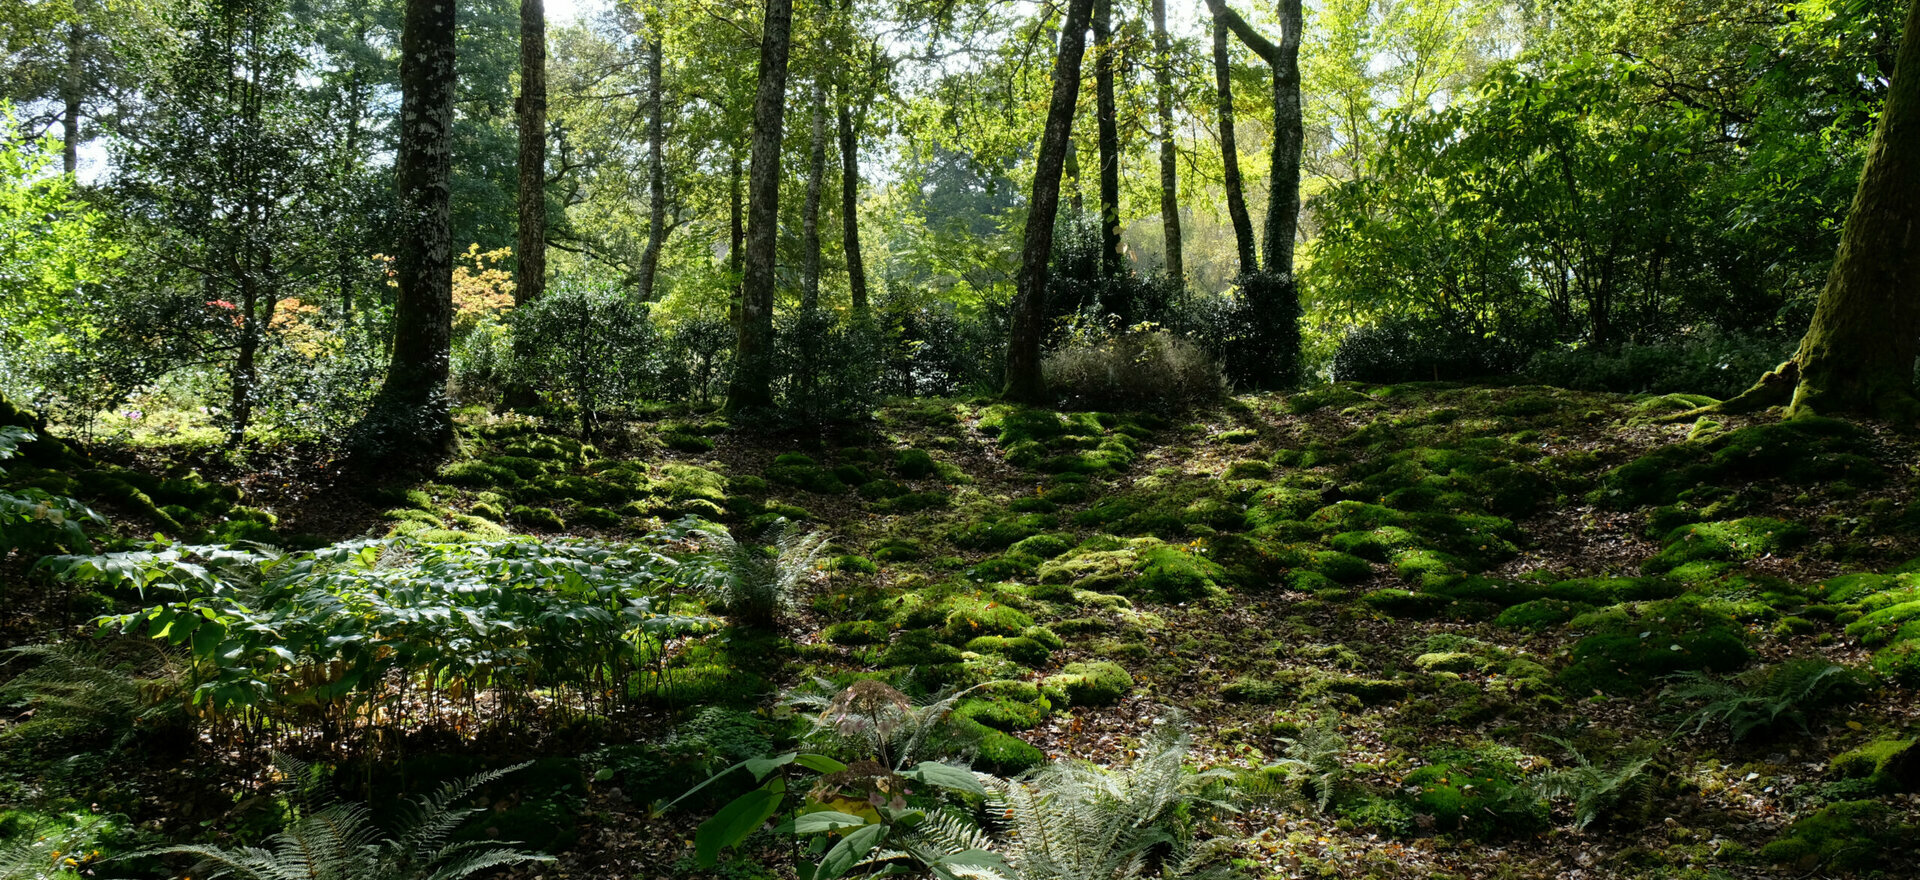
pixel 1627 653
pixel 1847 836
pixel 332 840
pixel 74 695
pixel 1476 790
pixel 35 521
pixel 1804 450
pixel 1764 699
pixel 295 635
pixel 591 347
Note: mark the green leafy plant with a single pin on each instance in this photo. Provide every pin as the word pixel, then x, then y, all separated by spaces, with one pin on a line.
pixel 1597 790
pixel 1761 700
pixel 755 581
pixel 1313 757
pixel 33 520
pixel 323 635
pixel 333 840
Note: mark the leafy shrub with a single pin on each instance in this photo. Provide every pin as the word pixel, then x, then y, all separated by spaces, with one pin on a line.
pixel 588 345
pixel 1139 370
pixel 1624 787
pixel 1412 350
pixel 1717 364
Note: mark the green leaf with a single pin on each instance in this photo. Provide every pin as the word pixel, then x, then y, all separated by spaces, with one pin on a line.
pixel 733 824
pixel 824 821
pixel 760 767
pixel 820 764
pixel 849 851
pixel 947 776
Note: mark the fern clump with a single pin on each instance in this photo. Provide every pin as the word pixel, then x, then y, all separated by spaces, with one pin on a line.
pixel 1624 787
pixel 756 581
pixel 77 694
pixel 1764 700
pixel 333 840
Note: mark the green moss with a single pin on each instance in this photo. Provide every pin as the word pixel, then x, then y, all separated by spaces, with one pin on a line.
pixel 1019 649
pixel 1484 799
pixel 1012 566
pixel 685 442
pixel 799 471
pixel 1847 836
pixel 537 517
pixel 897 550
pixel 857 632
pixel 999 752
pixel 598 517
pixel 913 502
pixel 1611 591
pixel 1405 603
pixel 882 489
pixel 1001 531
pixel 1628 653
pixel 1342 567
pixel 1248 470
pixel 1042 546
pixel 678 481
pixel 968 617
pixel 914 464
pixel 1738 540
pixel 1259 690
pixel 1541 614
pixel 855 565
pixel 1802 451
pixel 1873 758
pixel 1176 574
pixel 919 648
pixel 1001 713
pixel 1096 683
pixel 1378 544
pixel 478 474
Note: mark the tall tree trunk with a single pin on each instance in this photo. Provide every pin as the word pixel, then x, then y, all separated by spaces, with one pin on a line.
pixel 531 277
pixel 850 207
pixel 1025 382
pixel 1109 135
pixel 752 386
pixel 1230 151
pixel 1283 192
pixel 656 171
pixel 1859 353
pixel 1169 168
pixel 410 415
pixel 73 82
pixel 810 214
pixel 736 237
pixel 1071 164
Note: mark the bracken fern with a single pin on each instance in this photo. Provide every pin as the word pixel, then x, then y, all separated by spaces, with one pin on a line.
pixel 1598 790
pixel 1761 700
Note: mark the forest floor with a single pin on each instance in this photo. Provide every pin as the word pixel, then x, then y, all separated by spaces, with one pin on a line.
pixel 1393 611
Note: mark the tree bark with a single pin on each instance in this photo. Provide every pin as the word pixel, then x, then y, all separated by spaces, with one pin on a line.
pixel 72 87
pixel 810 213
pixel 656 172
pixel 530 279
pixel 1283 194
pixel 1169 168
pixel 1230 151
pixel 1858 356
pixel 850 207
pixel 737 228
pixel 752 386
pixel 1109 137
pixel 1025 382
pixel 410 417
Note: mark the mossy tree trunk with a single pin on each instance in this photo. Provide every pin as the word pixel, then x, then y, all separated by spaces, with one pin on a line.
pixel 410 417
pixel 1025 382
pixel 1230 150
pixel 1858 356
pixel 1169 167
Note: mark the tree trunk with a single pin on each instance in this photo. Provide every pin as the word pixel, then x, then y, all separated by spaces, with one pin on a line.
pixel 656 172
pixel 410 415
pixel 1075 204
pixel 1169 169
pixel 810 214
pixel 752 386
pixel 531 277
pixel 1230 151
pixel 850 208
pixel 72 86
pixel 1858 355
pixel 1109 135
pixel 1283 192
pixel 1025 382
pixel 737 229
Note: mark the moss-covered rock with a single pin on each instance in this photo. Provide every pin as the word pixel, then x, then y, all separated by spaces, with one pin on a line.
pixel 1019 649
pixel 1485 798
pixel 1628 652
pixel 537 517
pixel 969 617
pixel 1737 540
pixel 1042 546
pixel 1096 683
pixel 1802 450
pixel 1176 574
pixel 1541 614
